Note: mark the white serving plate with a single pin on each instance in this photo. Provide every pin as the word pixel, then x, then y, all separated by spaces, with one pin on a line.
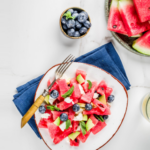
pixel 118 108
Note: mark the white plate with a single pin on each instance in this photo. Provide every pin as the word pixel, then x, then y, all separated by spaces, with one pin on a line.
pixel 118 108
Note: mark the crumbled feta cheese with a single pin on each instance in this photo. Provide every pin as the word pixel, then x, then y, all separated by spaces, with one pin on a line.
pixel 79 117
pixel 79 128
pixel 45 115
pixel 67 140
pixel 63 126
pixel 95 95
pixel 66 78
pixel 81 89
pixel 80 110
pixel 51 100
pixel 68 100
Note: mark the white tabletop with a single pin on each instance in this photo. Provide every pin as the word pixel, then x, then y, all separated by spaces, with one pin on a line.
pixel 31 43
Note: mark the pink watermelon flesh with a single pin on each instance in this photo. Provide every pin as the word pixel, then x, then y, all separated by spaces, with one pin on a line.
pixel 83 73
pixel 96 111
pixel 143 44
pixel 62 136
pixel 131 21
pixel 74 142
pixel 53 129
pixel 54 87
pixel 100 125
pixel 75 125
pixel 57 114
pixel 94 86
pixel 100 105
pixel 85 87
pixel 82 137
pixel 87 97
pixel 115 22
pixel 108 92
pixel 143 9
pixel 42 124
pixel 94 120
pixel 63 105
pixel 71 114
pixel 63 87
pixel 76 92
pixel 72 81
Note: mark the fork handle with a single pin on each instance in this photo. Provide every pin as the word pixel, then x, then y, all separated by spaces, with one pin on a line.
pixel 32 110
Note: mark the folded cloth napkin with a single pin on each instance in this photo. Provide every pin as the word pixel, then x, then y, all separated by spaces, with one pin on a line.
pixel 104 57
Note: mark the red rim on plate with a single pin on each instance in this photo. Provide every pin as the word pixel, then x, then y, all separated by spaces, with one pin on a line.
pixel 107 73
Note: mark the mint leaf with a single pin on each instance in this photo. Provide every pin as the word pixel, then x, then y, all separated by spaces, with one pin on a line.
pixel 68 15
pixel 68 123
pixel 51 108
pixel 68 93
pixel 100 118
pixel 90 84
pixel 83 127
pixel 56 108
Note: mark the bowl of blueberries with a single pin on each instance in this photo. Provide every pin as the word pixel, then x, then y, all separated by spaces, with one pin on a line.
pixel 75 23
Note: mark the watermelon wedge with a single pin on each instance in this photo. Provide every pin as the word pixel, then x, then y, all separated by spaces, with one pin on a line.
pixel 74 142
pixel 100 125
pixel 115 22
pixel 87 97
pixel 99 105
pixel 83 73
pixel 142 44
pixel 131 21
pixel 71 113
pixel 75 125
pixel 94 120
pixel 76 92
pixel 82 137
pixel 53 129
pixel 61 136
pixel 42 124
pixel 85 87
pixel 143 9
pixel 72 81
pixel 63 86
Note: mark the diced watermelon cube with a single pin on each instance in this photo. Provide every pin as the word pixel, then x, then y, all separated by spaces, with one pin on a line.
pixel 72 81
pixel 48 83
pixel 63 86
pixel 85 87
pixel 100 125
pixel 96 111
pixel 83 73
pixel 94 120
pixel 99 104
pixel 57 114
pixel 54 87
pixel 94 86
pixel 108 92
pixel 76 92
pixel 75 125
pixel 87 97
pixel 82 137
pixel 102 87
pixel 80 101
pixel 53 129
pixel 61 136
pixel 74 142
pixel 71 114
pixel 42 124
pixel 64 105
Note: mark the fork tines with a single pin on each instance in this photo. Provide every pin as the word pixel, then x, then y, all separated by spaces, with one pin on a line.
pixel 65 64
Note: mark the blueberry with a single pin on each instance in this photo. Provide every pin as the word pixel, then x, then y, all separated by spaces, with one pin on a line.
pixel 71 32
pixel 83 30
pixel 77 34
pixel 71 10
pixel 63 117
pixel 64 27
pixel 105 117
pixel 82 17
pixel 54 94
pixel 78 25
pixel 63 20
pixel 70 23
pixel 75 15
pixel 87 24
pixel 42 109
pixel 75 11
pixel 111 98
pixel 76 107
pixel 88 106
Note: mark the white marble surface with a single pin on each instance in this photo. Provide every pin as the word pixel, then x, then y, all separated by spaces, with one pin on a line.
pixel 31 42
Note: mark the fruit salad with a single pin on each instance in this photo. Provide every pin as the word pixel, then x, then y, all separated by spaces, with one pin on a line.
pixel 75 108
pixel 75 22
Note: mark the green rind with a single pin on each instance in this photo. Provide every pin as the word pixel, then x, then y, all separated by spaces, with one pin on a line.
pixel 140 49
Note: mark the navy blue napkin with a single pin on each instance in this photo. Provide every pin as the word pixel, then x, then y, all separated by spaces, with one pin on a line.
pixel 104 57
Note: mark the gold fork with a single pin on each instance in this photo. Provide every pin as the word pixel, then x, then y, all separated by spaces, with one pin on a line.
pixel 58 74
